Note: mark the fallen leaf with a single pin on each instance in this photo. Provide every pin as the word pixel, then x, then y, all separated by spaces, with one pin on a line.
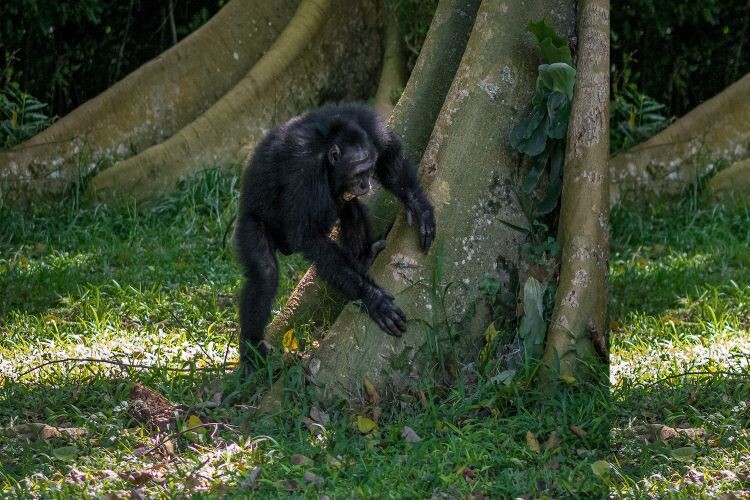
pixel 250 481
pixel 35 431
pixel 138 477
pixel 410 435
pixel 365 425
pixel 600 468
pixel 684 454
pixel 552 441
pixel 76 476
pixel 568 379
pixel 149 407
pixel 372 393
pixel 290 485
pixel 289 341
pixel 695 477
pixel 301 460
pixel 532 442
pixel 65 452
pixel 468 473
pixel 319 416
pixel 577 431
pixel 313 478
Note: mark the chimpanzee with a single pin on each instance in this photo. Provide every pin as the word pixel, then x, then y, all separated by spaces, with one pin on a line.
pixel 303 177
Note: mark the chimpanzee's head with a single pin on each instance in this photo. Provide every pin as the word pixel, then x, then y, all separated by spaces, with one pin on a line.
pixel 351 157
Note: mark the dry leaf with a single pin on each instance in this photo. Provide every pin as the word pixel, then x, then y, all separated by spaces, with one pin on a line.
pixel 410 435
pixel 532 442
pixel 289 341
pixel 577 431
pixel 552 441
pixel 301 460
pixel 319 416
pixel 600 468
pixel 313 478
pixel 365 425
pixel 35 431
pixel 372 393
pixel 251 480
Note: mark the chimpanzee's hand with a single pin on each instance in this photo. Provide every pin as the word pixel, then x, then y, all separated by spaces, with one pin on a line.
pixel 426 219
pixel 383 310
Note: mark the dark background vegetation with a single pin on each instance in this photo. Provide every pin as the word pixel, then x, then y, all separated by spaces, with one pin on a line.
pixel 667 55
pixel 66 52
pixel 680 52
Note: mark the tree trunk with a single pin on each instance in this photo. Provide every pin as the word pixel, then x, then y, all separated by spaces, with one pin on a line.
pixel 731 185
pixel 580 315
pixel 329 50
pixel 150 104
pixel 471 173
pixel 393 76
pixel 671 161
pixel 312 302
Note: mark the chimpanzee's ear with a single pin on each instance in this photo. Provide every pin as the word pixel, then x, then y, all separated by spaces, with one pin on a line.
pixel 334 154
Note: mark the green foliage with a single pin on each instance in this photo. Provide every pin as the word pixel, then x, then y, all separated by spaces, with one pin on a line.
pixel 681 52
pixel 554 47
pixel 70 51
pixel 541 135
pixel 634 117
pixel 21 115
pixel 533 325
pixel 414 17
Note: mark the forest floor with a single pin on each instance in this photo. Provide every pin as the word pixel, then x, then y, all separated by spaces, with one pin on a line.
pixel 97 301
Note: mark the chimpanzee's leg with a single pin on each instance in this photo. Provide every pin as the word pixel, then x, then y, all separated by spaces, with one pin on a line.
pixel 261 270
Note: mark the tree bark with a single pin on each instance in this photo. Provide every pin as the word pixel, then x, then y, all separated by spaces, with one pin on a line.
pixel 580 312
pixel 329 50
pixel 312 302
pixel 671 161
pixel 471 173
pixel 731 185
pixel 393 76
pixel 150 104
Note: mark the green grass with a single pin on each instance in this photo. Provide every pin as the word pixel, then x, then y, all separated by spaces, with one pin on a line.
pixel 153 286
pixel 680 349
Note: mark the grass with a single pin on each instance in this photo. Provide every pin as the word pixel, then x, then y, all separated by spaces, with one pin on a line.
pixel 151 288
pixel 680 350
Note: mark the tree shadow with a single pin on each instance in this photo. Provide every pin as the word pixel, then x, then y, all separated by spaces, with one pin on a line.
pixel 706 404
pixel 97 403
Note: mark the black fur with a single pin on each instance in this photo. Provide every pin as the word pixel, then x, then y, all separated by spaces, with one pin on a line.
pixel 299 182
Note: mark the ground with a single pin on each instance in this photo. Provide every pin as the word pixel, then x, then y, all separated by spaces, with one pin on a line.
pixel 151 288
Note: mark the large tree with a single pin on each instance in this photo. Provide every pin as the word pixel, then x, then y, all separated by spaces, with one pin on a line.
pixel 150 104
pixel 473 81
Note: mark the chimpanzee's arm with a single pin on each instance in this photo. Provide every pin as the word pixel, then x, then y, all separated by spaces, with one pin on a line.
pixel 397 173
pixel 338 269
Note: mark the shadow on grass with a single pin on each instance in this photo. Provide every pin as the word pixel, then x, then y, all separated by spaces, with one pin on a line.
pixel 665 255
pixel 712 405
pixel 98 403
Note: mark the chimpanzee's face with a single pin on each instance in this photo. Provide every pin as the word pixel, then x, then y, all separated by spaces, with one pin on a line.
pixel 353 158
